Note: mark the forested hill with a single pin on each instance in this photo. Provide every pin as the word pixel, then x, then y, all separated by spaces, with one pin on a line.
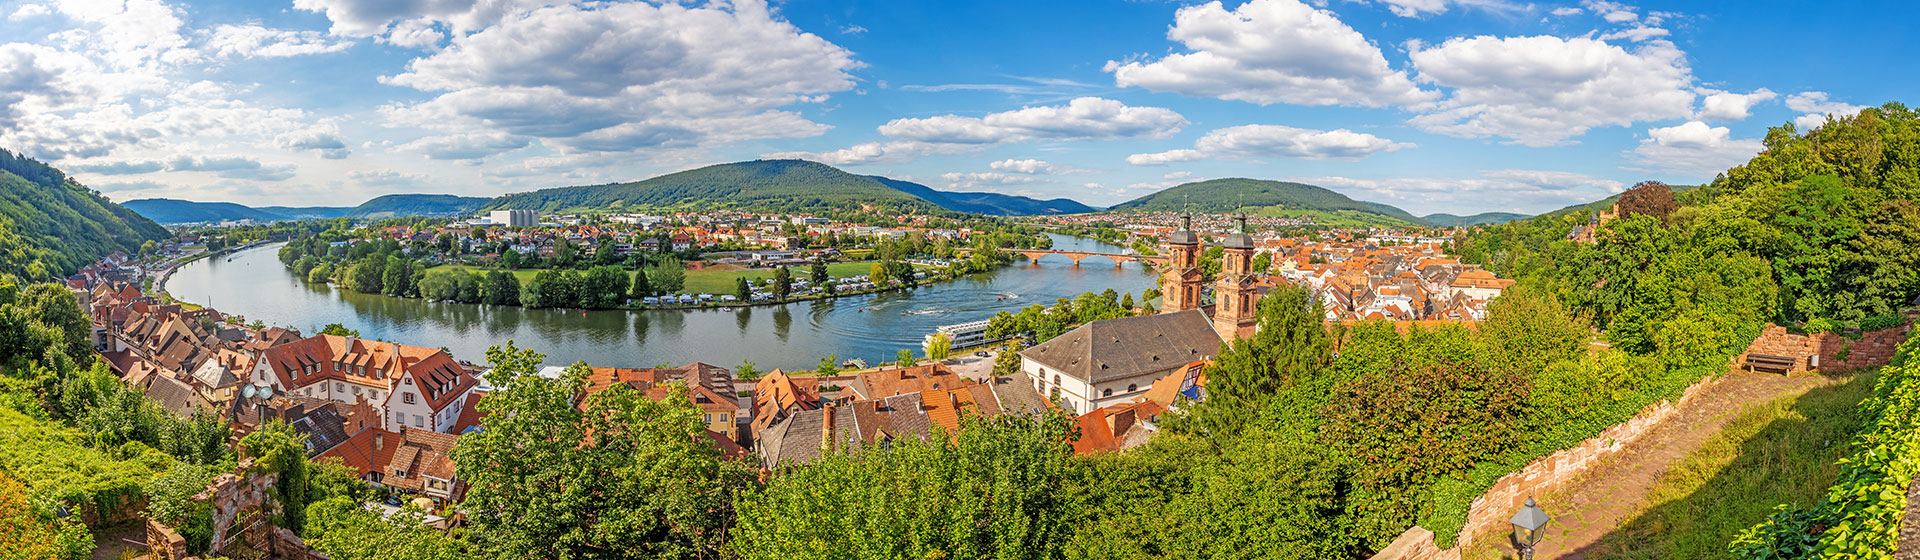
pixel 1481 219
pixel 777 185
pixel 1225 195
pixel 51 226
pixel 395 205
pixel 768 184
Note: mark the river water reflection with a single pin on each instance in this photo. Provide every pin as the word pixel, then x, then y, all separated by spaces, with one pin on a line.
pixel 253 284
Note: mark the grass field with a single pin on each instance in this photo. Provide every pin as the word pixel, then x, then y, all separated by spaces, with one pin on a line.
pixel 722 281
pixel 710 281
pixel 1781 452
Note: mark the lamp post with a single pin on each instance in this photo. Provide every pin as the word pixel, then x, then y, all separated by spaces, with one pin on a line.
pixel 1529 526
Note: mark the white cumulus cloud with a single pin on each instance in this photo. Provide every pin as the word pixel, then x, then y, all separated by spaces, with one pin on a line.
pixel 621 77
pixel 1692 148
pixel 1817 108
pixel 255 41
pixel 1085 118
pixel 1256 141
pixel 1027 166
pixel 1545 90
pixel 1271 51
pixel 1723 106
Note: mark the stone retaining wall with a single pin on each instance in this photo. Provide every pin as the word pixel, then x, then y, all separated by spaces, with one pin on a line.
pixel 1492 510
pixel 1488 514
pixel 1873 348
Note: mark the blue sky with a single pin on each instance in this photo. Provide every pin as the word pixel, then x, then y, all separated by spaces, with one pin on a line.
pixel 1458 106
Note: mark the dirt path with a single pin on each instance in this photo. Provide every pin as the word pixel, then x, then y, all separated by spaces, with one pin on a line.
pixel 1614 490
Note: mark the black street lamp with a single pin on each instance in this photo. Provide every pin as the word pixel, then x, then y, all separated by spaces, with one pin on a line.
pixel 1529 526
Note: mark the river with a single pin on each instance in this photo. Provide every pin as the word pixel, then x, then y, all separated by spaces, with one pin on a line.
pixel 253 284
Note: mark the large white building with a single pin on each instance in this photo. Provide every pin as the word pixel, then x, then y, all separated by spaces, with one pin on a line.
pixel 514 218
pixel 1115 361
pixel 411 386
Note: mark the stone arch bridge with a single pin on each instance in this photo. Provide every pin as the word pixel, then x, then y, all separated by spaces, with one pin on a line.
pixel 1076 256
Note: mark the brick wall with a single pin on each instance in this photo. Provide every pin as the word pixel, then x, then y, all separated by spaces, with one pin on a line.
pixel 1874 348
pixel 1488 514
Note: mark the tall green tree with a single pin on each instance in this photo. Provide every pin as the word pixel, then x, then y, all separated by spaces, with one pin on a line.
pixel 782 283
pixel 998 489
pixel 621 476
pixel 1280 369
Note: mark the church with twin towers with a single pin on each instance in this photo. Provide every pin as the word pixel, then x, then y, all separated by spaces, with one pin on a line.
pixel 1115 361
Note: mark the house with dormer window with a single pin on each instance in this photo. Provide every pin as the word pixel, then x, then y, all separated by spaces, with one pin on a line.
pixel 411 386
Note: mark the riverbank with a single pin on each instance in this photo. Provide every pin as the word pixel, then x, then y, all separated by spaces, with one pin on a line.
pixel 714 279
pixel 792 335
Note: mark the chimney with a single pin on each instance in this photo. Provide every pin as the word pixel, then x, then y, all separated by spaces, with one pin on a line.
pixel 826 428
pixel 379 440
pixel 1118 422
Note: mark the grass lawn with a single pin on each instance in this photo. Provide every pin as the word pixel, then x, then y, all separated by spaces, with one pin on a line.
pixel 722 281
pixel 1781 452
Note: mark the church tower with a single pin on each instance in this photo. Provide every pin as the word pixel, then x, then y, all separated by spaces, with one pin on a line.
pixel 1236 293
pixel 1180 285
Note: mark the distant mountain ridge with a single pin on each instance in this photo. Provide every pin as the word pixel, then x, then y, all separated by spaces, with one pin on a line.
pixel 987 203
pixel 1481 219
pixel 174 211
pixel 783 184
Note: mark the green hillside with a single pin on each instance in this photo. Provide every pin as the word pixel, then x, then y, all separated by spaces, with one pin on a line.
pixel 1225 195
pixel 51 226
pixel 1481 219
pixel 762 184
pixel 396 205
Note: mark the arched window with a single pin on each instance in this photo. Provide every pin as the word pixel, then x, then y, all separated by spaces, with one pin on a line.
pixel 1106 392
pixel 1132 387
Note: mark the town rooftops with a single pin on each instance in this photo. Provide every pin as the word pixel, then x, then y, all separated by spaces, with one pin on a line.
pixel 884 383
pixel 805 435
pixel 1129 346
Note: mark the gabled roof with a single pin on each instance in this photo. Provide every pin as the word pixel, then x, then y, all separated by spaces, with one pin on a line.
pixel 174 395
pixel 884 383
pixel 1129 346
pixel 803 436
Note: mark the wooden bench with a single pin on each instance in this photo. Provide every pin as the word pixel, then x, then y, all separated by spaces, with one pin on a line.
pixel 1782 364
